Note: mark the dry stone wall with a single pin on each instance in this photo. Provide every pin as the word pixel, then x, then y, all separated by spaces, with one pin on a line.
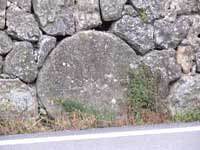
pixel 82 50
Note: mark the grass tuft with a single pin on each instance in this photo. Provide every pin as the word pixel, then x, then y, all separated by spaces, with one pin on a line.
pixel 187 116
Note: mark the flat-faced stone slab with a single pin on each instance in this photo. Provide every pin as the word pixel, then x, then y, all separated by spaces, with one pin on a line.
pixel 88 67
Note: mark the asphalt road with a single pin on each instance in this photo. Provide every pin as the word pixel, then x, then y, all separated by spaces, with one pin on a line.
pixel 157 137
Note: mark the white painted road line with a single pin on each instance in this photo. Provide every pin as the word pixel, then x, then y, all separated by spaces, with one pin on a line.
pixel 98 136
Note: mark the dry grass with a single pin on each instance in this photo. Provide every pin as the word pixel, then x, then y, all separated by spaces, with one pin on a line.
pixel 77 121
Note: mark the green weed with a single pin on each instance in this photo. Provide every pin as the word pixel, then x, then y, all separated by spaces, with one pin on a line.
pixel 143 15
pixel 187 116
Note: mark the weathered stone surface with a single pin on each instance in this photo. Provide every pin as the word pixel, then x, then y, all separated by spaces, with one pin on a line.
pixel 20 62
pixel 5 43
pixel 164 62
pixel 88 67
pixel 6 76
pixel 170 34
pixel 129 10
pixel 55 17
pixel 112 9
pixel 185 57
pixel 185 94
pixel 198 62
pixel 138 34
pixel 46 45
pixel 22 25
pixel 17 100
pixel 193 36
pixel 64 17
pixel 22 4
pixel 87 14
pixel 173 8
pixel 1 64
pixel 3 4
pixel 150 9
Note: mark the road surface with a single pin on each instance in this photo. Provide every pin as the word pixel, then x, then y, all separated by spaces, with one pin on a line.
pixel 157 137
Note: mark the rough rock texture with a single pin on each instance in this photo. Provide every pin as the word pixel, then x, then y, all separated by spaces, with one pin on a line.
pixel 111 9
pixel 64 17
pixel 138 34
pixel 23 4
pixel 17 100
pixel 20 62
pixel 174 8
pixel 1 64
pixel 164 63
pixel 151 9
pixel 88 67
pixel 198 61
pixel 55 17
pixel 2 13
pixel 5 43
pixel 193 37
pixel 129 10
pixel 185 94
pixel 185 57
pixel 48 37
pixel 46 45
pixel 170 34
pixel 22 25
pixel 87 14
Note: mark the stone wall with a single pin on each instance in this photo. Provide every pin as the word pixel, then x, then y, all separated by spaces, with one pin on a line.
pixel 82 50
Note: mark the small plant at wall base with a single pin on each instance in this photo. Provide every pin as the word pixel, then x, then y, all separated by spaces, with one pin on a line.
pixel 187 116
pixel 73 106
pixel 142 88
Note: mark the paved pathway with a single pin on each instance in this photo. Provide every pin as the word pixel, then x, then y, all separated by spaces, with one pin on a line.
pixel 158 137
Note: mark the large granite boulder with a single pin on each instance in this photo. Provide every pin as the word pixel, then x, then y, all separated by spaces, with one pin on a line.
pixel 112 9
pixel 136 33
pixel 45 46
pixel 185 94
pixel 3 4
pixel 6 43
pixel 17 100
pixel 22 25
pixel 165 65
pixel 90 67
pixel 20 62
